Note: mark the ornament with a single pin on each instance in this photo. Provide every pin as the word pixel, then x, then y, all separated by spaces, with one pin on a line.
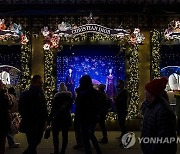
pixel 2 24
pixel 46 46
pixel 173 30
pixel 64 26
pixel 45 31
pixel 24 40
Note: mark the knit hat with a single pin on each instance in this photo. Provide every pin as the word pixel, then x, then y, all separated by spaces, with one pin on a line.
pixel 156 86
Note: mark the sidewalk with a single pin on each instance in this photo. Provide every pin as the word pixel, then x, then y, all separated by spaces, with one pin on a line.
pixel 46 146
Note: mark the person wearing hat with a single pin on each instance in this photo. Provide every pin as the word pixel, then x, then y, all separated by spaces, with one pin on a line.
pixel 159 120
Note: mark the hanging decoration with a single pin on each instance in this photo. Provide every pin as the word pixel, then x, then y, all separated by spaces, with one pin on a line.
pixel 72 33
pixel 173 31
pixel 13 32
pixel 136 37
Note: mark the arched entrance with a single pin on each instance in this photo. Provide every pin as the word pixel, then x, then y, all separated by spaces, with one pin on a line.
pixel 93 33
pixel 15 51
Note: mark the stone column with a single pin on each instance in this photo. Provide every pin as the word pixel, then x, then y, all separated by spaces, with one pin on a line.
pixel 37 62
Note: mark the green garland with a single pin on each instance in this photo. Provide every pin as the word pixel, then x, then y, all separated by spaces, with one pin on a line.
pixel 155 41
pixel 25 66
pixel 49 79
pixel 133 83
pixel 93 38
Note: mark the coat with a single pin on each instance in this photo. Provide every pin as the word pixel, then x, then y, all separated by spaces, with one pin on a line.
pixel 105 105
pixel 88 103
pixel 33 109
pixel 60 112
pixel 158 121
pixel 122 101
pixel 5 117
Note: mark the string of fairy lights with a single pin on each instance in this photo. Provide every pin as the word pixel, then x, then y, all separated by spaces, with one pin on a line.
pixel 155 41
pixel 49 80
pixel 25 55
pixel 95 37
pixel 133 82
pixel 25 66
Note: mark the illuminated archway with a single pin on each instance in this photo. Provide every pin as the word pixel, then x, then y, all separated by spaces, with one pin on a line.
pixel 14 35
pixel 92 32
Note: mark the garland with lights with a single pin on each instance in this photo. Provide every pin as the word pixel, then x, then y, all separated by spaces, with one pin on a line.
pixel 14 34
pixel 155 41
pixel 64 33
pixel 172 33
pixel 133 82
pixel 25 66
pixel 49 79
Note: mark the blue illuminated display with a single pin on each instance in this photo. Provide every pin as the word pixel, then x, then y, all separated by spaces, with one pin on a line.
pixel 92 60
pixel 167 71
pixel 170 60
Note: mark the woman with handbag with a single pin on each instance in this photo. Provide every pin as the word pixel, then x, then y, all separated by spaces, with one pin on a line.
pixel 60 117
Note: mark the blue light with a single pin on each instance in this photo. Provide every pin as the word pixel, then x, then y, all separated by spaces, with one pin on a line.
pixel 169 60
pixel 92 60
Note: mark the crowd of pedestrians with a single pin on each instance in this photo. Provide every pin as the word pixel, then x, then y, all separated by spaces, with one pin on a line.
pixel 92 105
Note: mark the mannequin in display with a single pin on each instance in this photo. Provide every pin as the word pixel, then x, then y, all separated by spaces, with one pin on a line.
pixel 110 86
pixel 174 81
pixel 70 83
pixel 5 77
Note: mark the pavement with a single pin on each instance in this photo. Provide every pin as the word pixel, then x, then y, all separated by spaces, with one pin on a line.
pixel 113 146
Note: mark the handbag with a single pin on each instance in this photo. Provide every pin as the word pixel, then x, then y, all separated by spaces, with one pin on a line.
pixel 14 126
pixel 47 132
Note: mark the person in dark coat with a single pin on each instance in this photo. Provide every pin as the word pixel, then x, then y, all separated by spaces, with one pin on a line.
pixel 33 110
pixel 105 106
pixel 121 103
pixel 14 108
pixel 61 117
pixel 5 118
pixel 159 120
pixel 77 128
pixel 87 109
